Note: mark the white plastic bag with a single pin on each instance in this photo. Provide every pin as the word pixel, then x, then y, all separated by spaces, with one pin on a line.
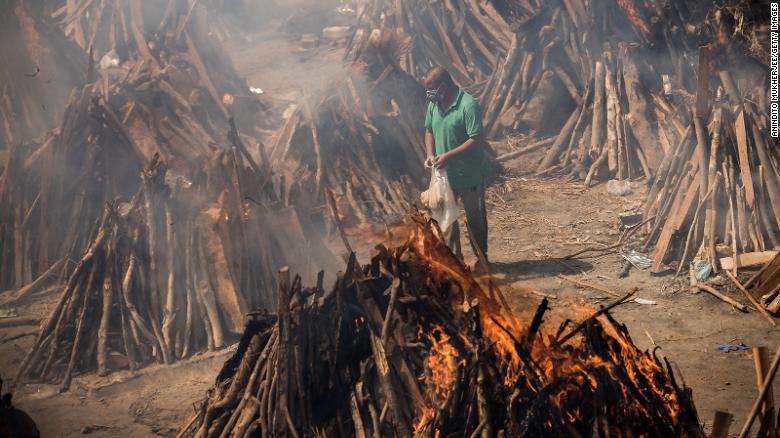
pixel 440 199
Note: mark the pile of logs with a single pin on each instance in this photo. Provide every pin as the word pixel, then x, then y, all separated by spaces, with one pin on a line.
pixel 467 38
pixel 618 90
pixel 610 79
pixel 719 188
pixel 171 272
pixel 533 63
pixel 164 36
pixel 765 286
pixel 410 344
pixel 172 104
pixel 362 140
pixel 733 202
pixel 34 87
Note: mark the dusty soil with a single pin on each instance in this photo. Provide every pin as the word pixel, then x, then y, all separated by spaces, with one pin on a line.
pixel 534 223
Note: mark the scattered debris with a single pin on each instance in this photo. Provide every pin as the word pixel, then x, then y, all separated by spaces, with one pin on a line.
pixel 725 348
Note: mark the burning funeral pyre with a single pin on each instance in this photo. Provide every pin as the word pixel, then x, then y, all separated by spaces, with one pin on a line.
pixel 411 345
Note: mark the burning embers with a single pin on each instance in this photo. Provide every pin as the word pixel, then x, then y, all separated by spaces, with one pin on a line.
pixel 411 345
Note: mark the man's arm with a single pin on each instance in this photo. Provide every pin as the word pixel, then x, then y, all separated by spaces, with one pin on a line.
pixel 428 143
pixel 472 142
pixel 472 118
pixel 429 140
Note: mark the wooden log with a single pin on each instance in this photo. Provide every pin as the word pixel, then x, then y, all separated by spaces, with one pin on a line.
pixel 561 140
pixel 19 321
pixel 748 259
pixel 599 113
pixel 595 315
pixel 721 424
pixel 169 312
pixel 642 121
pixel 729 86
pixel 743 155
pixel 207 298
pixel 750 298
pixel 400 422
pixel 32 288
pixel 82 316
pixel 675 220
pixel 770 177
pixel 612 114
pixel 588 285
pixel 483 407
pixel 282 412
pixel 595 167
pixel 737 305
pixel 526 149
pixel 700 115
pixel 105 314
pixel 728 174
pixel 765 388
pixel 502 86
pixel 708 244
pixel 232 304
pixel 761 364
pixel 388 319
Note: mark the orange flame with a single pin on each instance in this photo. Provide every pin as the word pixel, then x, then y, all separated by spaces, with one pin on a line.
pixel 569 374
pixel 443 362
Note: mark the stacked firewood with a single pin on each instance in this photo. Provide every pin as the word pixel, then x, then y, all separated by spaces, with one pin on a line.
pixel 533 63
pixel 719 188
pixel 363 139
pixel 610 79
pixel 52 192
pixel 765 286
pixel 46 66
pixel 623 101
pixel 174 103
pixel 171 272
pixel 467 38
pixel 161 35
pixel 410 345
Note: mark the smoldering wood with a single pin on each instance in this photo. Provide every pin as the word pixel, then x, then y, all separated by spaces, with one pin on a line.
pixel 344 360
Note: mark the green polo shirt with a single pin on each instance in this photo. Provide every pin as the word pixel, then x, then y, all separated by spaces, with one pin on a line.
pixel 461 121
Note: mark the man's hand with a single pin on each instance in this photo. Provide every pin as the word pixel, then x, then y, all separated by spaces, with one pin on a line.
pixel 440 161
pixel 429 161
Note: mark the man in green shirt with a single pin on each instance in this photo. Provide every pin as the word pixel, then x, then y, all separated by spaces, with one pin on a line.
pixel 453 141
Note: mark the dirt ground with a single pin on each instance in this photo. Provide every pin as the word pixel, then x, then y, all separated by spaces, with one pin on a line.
pixel 534 223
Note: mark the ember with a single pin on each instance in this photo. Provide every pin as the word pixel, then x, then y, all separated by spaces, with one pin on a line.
pixel 479 369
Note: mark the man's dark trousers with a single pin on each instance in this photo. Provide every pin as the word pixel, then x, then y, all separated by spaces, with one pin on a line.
pixel 473 199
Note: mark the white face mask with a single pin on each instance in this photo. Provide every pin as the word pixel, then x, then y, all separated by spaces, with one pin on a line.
pixel 434 96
